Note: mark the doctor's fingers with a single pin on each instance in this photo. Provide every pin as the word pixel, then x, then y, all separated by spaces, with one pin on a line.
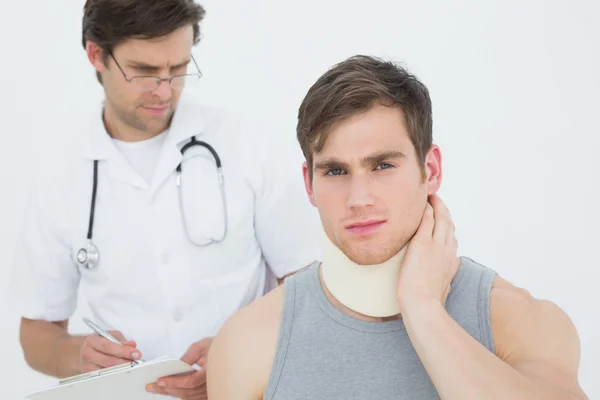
pixel 197 352
pixel 92 359
pixel 87 366
pixel 98 345
pixel 183 394
pixel 119 336
pixel 189 381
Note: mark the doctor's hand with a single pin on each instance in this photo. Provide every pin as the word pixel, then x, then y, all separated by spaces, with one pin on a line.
pixel 191 386
pixel 430 262
pixel 97 352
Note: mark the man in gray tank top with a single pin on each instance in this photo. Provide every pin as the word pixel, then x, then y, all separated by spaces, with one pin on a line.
pixel 458 330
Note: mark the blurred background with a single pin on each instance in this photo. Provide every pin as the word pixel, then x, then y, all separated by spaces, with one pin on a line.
pixel 515 90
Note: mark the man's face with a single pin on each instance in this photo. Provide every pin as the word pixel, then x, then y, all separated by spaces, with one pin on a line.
pixel 150 111
pixel 368 185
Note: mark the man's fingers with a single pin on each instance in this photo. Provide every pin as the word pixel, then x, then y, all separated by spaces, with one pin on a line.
pixel 438 205
pixel 443 223
pixel 425 229
pixel 117 350
pixel 450 238
pixel 440 229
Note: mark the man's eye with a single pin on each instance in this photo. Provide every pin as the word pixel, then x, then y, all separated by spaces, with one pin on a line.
pixel 384 166
pixel 335 171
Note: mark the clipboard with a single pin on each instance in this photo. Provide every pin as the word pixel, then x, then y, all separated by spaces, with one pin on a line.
pixel 126 381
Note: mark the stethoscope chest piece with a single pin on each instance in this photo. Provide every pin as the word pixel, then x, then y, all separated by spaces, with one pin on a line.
pixel 88 256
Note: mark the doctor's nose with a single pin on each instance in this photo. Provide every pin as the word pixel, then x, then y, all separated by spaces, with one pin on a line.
pixel 164 91
pixel 360 193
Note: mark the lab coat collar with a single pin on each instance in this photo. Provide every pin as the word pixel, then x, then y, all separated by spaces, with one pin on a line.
pixel 100 145
pixel 187 122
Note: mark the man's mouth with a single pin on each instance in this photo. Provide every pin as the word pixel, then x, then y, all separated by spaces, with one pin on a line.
pixel 367 227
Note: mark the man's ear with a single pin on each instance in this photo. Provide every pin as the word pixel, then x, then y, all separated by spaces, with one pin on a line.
pixel 95 55
pixel 433 169
pixel 308 184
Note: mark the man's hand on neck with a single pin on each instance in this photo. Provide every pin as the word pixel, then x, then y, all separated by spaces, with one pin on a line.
pixel 430 263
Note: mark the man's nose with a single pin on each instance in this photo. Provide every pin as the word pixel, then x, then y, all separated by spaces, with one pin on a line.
pixel 360 192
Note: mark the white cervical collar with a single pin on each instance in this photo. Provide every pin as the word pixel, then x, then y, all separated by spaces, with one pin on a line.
pixel 366 289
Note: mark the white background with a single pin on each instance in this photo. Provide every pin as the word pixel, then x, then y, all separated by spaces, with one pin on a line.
pixel 515 88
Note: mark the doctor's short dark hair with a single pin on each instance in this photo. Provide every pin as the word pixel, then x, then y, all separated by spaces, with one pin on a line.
pixel 356 85
pixel 111 22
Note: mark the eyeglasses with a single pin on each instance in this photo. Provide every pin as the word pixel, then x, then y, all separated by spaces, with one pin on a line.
pixel 149 83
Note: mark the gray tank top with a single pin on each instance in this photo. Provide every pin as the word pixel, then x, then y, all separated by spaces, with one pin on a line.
pixel 323 353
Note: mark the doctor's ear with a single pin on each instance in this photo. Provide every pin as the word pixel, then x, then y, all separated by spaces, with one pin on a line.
pixel 308 183
pixel 95 55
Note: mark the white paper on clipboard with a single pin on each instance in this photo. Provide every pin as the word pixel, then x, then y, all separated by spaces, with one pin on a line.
pixel 127 381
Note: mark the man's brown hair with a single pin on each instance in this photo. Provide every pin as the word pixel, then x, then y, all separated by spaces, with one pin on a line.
pixel 110 22
pixel 356 85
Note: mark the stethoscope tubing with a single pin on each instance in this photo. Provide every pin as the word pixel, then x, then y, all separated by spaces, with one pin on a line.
pixel 90 254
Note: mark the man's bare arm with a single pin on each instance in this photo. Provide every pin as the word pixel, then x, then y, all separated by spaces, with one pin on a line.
pixel 537 345
pixel 227 370
pixel 242 353
pixel 537 338
pixel 48 348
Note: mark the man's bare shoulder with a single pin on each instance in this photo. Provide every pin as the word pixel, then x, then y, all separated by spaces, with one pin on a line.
pixel 260 318
pixel 242 353
pixel 534 335
pixel 516 313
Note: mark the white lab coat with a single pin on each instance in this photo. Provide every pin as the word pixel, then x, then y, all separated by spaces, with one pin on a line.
pixel 151 283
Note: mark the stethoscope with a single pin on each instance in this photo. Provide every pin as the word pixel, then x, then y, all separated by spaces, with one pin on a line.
pixel 88 256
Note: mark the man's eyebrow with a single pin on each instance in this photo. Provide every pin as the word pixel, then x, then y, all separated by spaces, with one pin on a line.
pixel 330 163
pixel 376 158
pixel 143 65
pixel 380 157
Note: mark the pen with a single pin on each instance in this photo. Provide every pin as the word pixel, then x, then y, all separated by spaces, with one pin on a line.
pixel 105 334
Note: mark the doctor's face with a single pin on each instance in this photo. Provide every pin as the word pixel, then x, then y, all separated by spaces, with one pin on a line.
pixel 369 187
pixel 163 57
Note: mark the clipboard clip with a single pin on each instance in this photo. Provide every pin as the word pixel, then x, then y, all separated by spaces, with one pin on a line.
pixel 93 374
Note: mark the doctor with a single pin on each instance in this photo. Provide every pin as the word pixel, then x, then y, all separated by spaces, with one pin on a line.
pixel 164 246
